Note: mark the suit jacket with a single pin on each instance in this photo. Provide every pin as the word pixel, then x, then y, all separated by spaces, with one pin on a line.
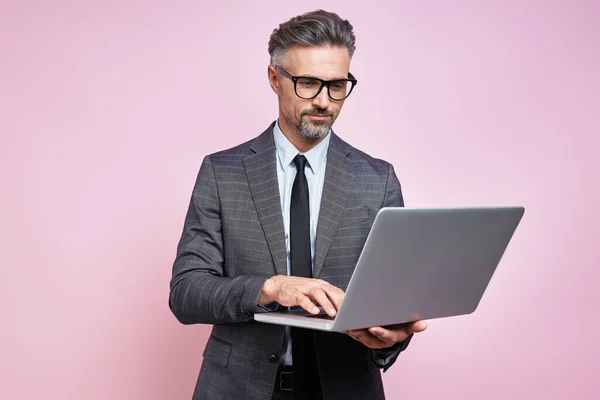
pixel 233 241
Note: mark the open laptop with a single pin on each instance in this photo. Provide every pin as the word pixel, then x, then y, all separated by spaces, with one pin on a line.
pixel 417 263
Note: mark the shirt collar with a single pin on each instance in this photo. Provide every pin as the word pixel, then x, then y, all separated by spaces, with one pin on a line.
pixel 286 151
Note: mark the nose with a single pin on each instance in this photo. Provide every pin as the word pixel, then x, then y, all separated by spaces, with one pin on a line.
pixel 322 100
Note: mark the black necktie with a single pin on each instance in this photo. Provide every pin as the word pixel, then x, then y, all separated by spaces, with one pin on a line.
pixel 300 257
pixel 306 375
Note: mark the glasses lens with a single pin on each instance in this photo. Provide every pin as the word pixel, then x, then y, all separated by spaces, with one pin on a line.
pixel 307 88
pixel 338 90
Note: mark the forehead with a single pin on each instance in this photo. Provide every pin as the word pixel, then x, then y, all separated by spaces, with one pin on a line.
pixel 325 62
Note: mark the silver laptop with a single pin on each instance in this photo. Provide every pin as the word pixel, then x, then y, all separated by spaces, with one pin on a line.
pixel 417 263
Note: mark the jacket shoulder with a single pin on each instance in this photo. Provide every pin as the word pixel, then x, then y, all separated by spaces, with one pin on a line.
pixel 365 163
pixel 227 156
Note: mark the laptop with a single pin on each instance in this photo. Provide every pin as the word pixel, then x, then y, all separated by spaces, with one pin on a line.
pixel 417 263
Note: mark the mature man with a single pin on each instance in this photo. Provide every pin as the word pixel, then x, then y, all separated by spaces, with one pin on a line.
pixel 280 221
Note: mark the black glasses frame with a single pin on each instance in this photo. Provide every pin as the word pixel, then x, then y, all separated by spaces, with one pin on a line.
pixel 295 79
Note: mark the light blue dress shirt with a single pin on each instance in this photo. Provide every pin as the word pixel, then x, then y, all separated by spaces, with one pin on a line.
pixel 315 176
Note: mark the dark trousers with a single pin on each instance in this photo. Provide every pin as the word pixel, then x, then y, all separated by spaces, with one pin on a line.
pixel 310 390
pixel 302 381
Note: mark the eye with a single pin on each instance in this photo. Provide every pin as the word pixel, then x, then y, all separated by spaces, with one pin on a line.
pixel 338 85
pixel 307 83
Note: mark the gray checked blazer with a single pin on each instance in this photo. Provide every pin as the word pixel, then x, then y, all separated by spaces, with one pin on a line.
pixel 233 240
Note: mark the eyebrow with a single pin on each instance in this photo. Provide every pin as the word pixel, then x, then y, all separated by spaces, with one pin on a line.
pixel 315 77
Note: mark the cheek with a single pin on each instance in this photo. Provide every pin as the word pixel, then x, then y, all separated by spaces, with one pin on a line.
pixel 335 109
pixel 338 107
pixel 286 106
pixel 289 103
pixel 297 107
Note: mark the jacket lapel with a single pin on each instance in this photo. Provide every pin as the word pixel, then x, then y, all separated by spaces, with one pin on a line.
pixel 339 177
pixel 261 170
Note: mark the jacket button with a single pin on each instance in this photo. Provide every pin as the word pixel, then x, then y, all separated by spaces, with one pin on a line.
pixel 273 358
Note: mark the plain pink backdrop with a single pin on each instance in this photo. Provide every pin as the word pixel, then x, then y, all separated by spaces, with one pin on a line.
pixel 107 109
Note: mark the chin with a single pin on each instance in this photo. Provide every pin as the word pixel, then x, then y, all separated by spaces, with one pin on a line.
pixel 315 134
pixel 326 124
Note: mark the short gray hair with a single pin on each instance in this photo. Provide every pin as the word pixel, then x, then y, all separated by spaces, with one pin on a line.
pixel 314 29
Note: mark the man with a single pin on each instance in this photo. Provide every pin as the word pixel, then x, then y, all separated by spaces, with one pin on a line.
pixel 280 221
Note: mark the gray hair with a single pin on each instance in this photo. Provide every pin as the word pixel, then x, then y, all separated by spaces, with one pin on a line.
pixel 314 29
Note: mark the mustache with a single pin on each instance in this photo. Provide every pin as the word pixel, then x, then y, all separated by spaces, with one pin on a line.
pixel 317 111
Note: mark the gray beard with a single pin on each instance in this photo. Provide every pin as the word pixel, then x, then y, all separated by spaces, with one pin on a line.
pixel 313 130
pixel 316 130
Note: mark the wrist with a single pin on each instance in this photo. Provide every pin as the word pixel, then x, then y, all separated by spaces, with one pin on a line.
pixel 266 293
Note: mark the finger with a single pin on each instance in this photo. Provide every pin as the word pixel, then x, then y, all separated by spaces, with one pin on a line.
pixel 373 341
pixel 389 335
pixel 418 326
pixel 318 295
pixel 335 295
pixel 411 327
pixel 370 340
pixel 304 302
pixel 352 333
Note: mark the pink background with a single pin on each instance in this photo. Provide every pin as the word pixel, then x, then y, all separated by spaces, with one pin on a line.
pixel 107 109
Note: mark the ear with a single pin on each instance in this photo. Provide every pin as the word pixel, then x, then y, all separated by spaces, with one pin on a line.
pixel 273 79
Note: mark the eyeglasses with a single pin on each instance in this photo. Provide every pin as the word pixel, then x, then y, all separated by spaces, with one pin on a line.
pixel 308 87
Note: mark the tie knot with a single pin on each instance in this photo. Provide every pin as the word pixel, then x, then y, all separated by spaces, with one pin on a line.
pixel 300 162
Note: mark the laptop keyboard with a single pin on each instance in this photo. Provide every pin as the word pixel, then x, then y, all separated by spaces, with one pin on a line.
pixel 322 316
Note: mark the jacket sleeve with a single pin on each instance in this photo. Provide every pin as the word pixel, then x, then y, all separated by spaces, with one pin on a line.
pixel 199 290
pixel 385 358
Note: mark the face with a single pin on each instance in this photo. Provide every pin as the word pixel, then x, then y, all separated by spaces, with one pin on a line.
pixel 312 118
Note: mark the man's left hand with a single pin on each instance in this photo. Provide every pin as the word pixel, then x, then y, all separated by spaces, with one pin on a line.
pixel 381 337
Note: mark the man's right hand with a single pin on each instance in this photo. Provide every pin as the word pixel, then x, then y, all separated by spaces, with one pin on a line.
pixel 307 293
